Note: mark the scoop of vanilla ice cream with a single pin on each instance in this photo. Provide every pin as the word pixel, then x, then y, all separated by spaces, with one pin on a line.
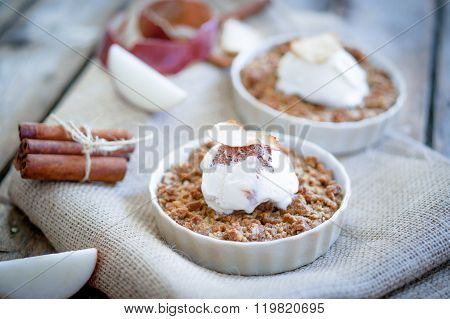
pixel 321 71
pixel 243 185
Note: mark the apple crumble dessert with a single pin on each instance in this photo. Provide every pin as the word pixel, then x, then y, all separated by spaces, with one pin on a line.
pixel 314 200
pixel 318 79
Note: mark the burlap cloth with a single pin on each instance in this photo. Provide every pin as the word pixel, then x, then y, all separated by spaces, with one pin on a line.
pixel 396 226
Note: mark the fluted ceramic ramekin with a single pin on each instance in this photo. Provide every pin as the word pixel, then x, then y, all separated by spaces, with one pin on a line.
pixel 252 258
pixel 338 138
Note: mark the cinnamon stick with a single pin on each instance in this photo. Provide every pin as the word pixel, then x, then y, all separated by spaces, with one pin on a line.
pixel 71 168
pixel 31 146
pixel 43 131
pixel 220 60
pixel 17 161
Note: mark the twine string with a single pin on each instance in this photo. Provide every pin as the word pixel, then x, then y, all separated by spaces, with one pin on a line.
pixel 92 143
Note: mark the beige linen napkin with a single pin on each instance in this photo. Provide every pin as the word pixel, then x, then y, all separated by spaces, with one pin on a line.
pixel 396 229
pixel 396 226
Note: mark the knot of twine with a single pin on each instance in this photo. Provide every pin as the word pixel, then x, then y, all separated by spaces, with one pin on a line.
pixel 92 143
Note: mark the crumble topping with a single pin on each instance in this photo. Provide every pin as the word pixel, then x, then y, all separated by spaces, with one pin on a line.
pixel 227 154
pixel 259 77
pixel 319 196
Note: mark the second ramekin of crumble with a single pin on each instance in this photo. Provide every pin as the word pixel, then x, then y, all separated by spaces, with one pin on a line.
pixel 265 239
pixel 341 99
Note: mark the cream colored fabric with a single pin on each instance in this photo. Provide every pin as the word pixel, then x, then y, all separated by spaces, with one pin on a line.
pixel 435 284
pixel 395 230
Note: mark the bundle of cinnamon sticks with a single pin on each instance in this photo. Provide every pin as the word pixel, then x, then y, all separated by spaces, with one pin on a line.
pixel 48 152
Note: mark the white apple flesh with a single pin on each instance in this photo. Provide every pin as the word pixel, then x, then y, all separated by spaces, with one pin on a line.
pixel 238 36
pixel 140 84
pixel 49 276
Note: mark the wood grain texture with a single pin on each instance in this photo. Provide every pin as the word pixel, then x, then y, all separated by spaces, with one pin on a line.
pixel 441 128
pixel 19 238
pixel 7 16
pixel 35 68
pixel 43 84
pixel 376 23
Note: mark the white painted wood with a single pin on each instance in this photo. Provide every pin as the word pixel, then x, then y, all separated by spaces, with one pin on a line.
pixel 441 129
pixel 372 24
pixel 7 16
pixel 34 67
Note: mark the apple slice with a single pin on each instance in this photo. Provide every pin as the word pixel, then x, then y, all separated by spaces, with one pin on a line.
pixel 49 276
pixel 140 84
pixel 228 133
pixel 316 49
pixel 238 36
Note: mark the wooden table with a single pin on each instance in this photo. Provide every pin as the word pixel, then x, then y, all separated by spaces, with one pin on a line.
pixel 38 69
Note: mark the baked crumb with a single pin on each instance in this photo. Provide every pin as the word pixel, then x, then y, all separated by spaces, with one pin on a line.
pixel 260 76
pixel 319 196
pixel 228 154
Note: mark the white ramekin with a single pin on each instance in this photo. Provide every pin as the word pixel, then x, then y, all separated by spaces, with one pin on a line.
pixel 253 258
pixel 338 138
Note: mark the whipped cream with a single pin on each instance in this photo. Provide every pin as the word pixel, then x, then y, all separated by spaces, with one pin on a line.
pixel 249 179
pixel 314 69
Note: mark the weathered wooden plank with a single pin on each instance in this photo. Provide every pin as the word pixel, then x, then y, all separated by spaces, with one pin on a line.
pixel 316 5
pixel 7 16
pixel 34 67
pixel 441 129
pixel 374 23
pixel 87 84
pixel 18 237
